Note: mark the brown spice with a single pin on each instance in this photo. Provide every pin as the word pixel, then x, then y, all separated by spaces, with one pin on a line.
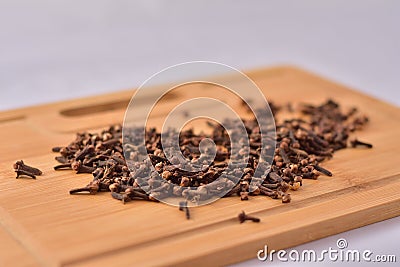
pixel 22 169
pixel 302 144
pixel 244 217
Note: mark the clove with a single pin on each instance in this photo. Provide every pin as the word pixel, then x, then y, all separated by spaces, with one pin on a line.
pixel 244 217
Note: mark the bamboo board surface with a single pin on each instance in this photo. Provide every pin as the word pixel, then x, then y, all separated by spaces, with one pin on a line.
pixel 41 224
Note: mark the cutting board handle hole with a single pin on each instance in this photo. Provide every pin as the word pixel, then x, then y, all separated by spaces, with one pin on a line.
pixel 107 106
pixel 10 119
pixel 97 108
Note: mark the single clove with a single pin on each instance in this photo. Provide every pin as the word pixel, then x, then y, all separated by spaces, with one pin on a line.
pixel 244 217
pixel 183 206
pixel 20 165
pixel 356 143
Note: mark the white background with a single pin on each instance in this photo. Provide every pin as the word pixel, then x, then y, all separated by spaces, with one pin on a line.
pixel 57 50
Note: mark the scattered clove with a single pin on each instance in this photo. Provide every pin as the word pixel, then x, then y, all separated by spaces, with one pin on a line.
pixel 244 217
pixel 22 169
pixel 183 206
pixel 356 143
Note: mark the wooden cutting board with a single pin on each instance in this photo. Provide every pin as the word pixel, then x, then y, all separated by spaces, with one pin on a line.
pixel 41 224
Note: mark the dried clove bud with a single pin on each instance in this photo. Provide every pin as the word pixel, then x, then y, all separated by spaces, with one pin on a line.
pixel 20 165
pixel 244 217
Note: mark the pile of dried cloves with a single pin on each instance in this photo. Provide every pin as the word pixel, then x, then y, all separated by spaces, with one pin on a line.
pixel 301 145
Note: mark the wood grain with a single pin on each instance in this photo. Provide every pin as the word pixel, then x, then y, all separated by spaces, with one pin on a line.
pixel 14 253
pixel 45 225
